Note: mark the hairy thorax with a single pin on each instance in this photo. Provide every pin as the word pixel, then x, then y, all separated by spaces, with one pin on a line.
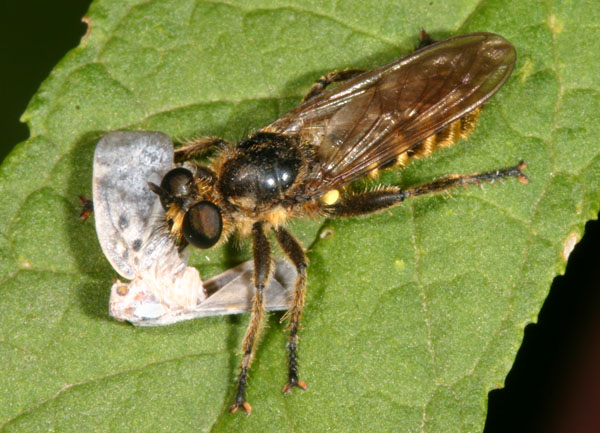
pixel 259 177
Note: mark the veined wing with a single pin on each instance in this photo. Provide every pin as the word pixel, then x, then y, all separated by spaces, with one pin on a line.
pixel 369 120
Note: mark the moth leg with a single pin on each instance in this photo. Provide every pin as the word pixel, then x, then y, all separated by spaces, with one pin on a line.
pixel 197 147
pixel 379 199
pixel 87 207
pixel 333 77
pixel 292 248
pixel 262 272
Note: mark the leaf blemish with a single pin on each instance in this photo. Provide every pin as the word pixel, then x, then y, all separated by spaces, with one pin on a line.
pixel 526 70
pixel 25 264
pixel 569 246
pixel 88 22
pixel 326 233
pixel 555 24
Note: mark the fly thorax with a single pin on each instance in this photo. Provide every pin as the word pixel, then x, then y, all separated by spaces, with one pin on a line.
pixel 261 171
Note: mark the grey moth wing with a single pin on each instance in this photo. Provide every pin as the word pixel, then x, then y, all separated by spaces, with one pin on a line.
pixel 124 163
pixel 230 292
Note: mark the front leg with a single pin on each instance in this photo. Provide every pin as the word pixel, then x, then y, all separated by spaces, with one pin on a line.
pixel 197 147
pixel 295 252
pixel 262 273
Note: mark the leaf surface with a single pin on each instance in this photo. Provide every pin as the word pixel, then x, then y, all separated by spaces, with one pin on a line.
pixel 412 315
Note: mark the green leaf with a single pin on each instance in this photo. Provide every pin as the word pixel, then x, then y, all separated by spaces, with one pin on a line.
pixel 412 316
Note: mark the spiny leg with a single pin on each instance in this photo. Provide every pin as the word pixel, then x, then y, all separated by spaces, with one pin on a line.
pixel 333 77
pixel 295 252
pixel 262 272
pixel 379 199
pixel 197 147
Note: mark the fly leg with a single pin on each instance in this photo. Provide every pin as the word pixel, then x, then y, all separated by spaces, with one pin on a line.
pixel 197 147
pixel 262 272
pixel 295 252
pixel 379 199
pixel 337 76
pixel 333 77
pixel 424 39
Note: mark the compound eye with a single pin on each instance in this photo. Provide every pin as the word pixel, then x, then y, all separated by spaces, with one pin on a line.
pixel 202 225
pixel 178 183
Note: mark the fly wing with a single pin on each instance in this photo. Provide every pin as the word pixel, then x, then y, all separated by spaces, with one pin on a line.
pixel 369 120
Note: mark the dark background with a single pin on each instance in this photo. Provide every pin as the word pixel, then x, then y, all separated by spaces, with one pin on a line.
pixel 554 385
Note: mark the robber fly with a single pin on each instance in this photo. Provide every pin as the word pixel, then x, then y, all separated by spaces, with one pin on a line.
pixel 300 164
